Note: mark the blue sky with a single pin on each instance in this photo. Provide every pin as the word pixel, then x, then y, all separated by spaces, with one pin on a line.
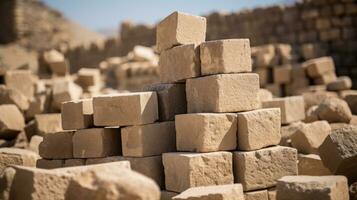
pixel 104 14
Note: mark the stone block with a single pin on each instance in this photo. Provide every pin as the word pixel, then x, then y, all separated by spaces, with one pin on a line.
pixel 48 123
pixel 13 96
pixel 282 74
pixel 334 110
pixel 326 78
pixel 60 68
pixel 91 161
pixel 261 169
pixel 217 192
pixel 225 56
pixel 134 108
pixel 180 28
pixel 77 114
pixel 14 156
pixel 186 170
pixel 49 164
pixel 265 76
pixel 265 95
pixel 89 79
pixel 287 131
pixel 319 66
pixel 148 140
pixel 275 89
pixel 256 195
pixel 342 83
pixel 35 143
pixel 74 162
pixel 259 128
pixel 12 121
pixel 352 102
pixel 223 93
pixel 22 81
pixel 64 90
pixel 57 145
pixel 206 132
pixel 311 165
pixel 96 142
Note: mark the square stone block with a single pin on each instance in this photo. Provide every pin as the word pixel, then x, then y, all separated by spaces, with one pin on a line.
pixel 49 163
pixel 311 165
pixel 57 145
pixel 216 192
pixel 48 123
pixel 256 195
pixel 12 121
pixel 21 80
pixel 77 114
pixel 282 74
pixel 319 66
pixel 74 162
pixel 15 156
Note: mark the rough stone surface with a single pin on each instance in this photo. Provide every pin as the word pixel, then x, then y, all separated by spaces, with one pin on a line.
pixel 77 114
pixel 311 165
pixel 20 80
pixel 91 161
pixel 260 169
pixel 352 102
pixel 258 128
pixel 342 83
pixel 223 93
pixel 185 170
pixel 74 162
pixel 64 90
pixel 48 123
pixel 291 108
pixel 180 28
pixel 134 108
pixel 334 110
pixel 282 74
pixel 319 66
pixel 225 56
pixel 14 156
pixel 264 95
pixel 312 187
pixel 206 132
pixel 57 145
pixel 217 192
pixel 256 195
pixel 308 138
pixel 12 121
pixel 12 96
pixel 35 143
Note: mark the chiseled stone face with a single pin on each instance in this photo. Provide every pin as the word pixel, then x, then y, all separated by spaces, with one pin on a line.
pixel 77 114
pixel 12 121
pixel 311 165
pixel 185 170
pixel 223 93
pixel 334 110
pixel 319 66
pixel 57 145
pixel 217 192
pixel 14 156
pixel 206 132
pixel 256 195
pixel 258 128
pixel 178 29
pixel 312 187
pixel 225 56
pixel 260 169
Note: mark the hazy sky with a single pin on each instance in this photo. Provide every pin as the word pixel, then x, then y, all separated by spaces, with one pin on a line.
pixel 103 14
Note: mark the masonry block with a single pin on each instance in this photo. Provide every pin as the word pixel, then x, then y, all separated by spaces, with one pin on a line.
pixel 311 165
pixel 77 114
pixel 48 123
pixel 14 156
pixel 319 66
pixel 217 192
pixel 22 81
pixel 57 145
pixel 49 163
pixel 12 121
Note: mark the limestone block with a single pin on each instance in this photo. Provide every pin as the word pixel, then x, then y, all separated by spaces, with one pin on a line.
pixel 35 143
pixel 342 83
pixel 313 98
pixel 326 78
pixel 48 123
pixel 311 165
pixel 217 192
pixel 287 131
pixel 64 90
pixel 6 179
pixel 265 76
pixel 167 195
pixel 352 102
pixel 264 95
pixel 74 162
pixel 91 161
pixel 256 195
pixel 49 163
pixel 319 66
pixel 14 156
pixel 60 68
pixel 57 145
pixel 334 110
pixel 20 80
pixel 89 79
pixel 13 96
pixel 275 89
pixel 311 114
pixel 12 121
pixel 282 74
pixel 77 114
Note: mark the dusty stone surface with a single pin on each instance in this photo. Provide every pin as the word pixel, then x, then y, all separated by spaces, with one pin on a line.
pixel 185 170
pixel 77 114
pixel 218 192
pixel 352 102
pixel 319 66
pixel 282 74
pixel 312 98
pixel 291 108
pixel 180 28
pixel 13 96
pixel 89 79
pixel 64 90
pixel 35 143
pixel 96 142
pixel 308 138
pixel 339 152
pixel 258 128
pixel 20 80
pixel 49 164
pixel 312 187
pixel 74 162
pixel 326 78
pixel 14 156
pixel 256 195
pixel 179 63
pixel 206 132
pixel 12 121
pixel 171 100
pixel 6 179
pixel 264 94
pixel 223 93
pixel 57 145
pixel 48 123
pixel 334 110
pixel 225 56
pixel 91 161
pixel 311 165
pixel 260 169
pixel 148 140
pixel 342 83
pixel 311 114
pixel 135 108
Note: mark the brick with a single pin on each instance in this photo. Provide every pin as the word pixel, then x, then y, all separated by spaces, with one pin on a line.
pixel 258 129
pixel 334 110
pixel 179 63
pixel 311 165
pixel 223 93
pixel 308 138
pixel 252 170
pixel 64 90
pixel 206 132
pixel 74 162
pixel 218 192
pixel 135 108
pixel 14 156
pixel 12 121
pixel 96 142
pixel 339 153
pixel 77 114
pixel 282 74
pixel 20 80
pixel 352 102
pixel 48 123
pixel 186 170
pixel 180 28
pixel 291 108
pixel 171 100
pixel 57 145
pixel 319 66
pixel 142 53
pixel 89 79
pixel 49 163
pixel 142 140
pixel 60 68
pixel 312 187
pixel 256 195
pixel 225 56
pixel 12 96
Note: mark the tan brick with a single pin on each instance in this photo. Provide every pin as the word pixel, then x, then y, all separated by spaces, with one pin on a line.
pixel 20 80
pixel 57 145
pixel 134 108
pixel 180 28
pixel 312 187
pixel 64 90
pixel 259 128
pixel 223 93
pixel 171 100
pixel 89 79
pixel 334 110
pixel 225 56
pixel 179 63
pixel 48 123
pixel 185 170
pixel 308 138
pixel 217 192
pixel 260 169
pixel 140 141
pixel 74 162
pixel 14 156
pixel 12 121
pixel 319 66
pixel 13 96
pixel 96 142
pixel 291 108
pixel 342 83
pixel 311 165
pixel 256 195
pixel 282 74
pixel 49 163
pixel 206 132
pixel 77 114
